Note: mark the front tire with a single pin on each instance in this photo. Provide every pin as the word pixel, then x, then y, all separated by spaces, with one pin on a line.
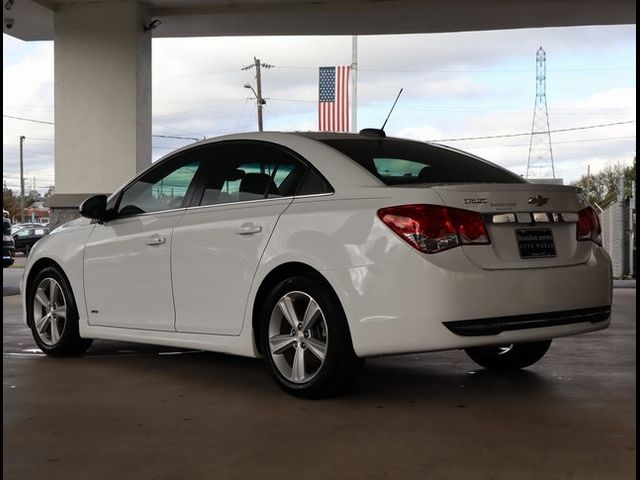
pixel 509 357
pixel 52 314
pixel 305 339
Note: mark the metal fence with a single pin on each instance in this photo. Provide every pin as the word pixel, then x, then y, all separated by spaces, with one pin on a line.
pixel 618 236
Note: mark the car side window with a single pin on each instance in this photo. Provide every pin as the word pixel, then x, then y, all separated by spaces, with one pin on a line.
pixel 398 167
pixel 314 184
pixel 245 171
pixel 163 188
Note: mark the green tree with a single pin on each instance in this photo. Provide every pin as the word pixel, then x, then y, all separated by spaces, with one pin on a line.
pixel 32 196
pixel 602 187
pixel 11 202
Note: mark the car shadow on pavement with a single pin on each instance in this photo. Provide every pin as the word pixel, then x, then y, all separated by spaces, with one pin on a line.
pixel 381 379
pixel 390 380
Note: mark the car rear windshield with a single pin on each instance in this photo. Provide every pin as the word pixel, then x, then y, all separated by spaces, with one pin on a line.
pixel 397 162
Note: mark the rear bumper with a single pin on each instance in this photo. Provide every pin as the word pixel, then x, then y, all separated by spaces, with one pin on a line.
pixel 494 326
pixel 418 305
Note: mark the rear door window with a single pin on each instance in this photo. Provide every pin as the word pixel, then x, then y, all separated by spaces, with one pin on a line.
pixel 397 162
pixel 246 171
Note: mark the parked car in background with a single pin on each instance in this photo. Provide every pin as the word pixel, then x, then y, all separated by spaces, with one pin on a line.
pixel 317 250
pixel 8 245
pixel 26 237
pixel 19 226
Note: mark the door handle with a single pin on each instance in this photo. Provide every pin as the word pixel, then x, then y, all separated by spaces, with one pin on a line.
pixel 156 240
pixel 248 229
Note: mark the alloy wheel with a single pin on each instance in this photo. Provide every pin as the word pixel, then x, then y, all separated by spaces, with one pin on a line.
pixel 49 311
pixel 298 337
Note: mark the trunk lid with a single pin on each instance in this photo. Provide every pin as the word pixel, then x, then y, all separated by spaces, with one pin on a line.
pixel 529 225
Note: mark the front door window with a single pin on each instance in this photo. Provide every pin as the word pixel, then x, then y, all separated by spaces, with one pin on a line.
pixel 155 192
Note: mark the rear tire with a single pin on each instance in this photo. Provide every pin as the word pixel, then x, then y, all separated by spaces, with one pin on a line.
pixel 305 339
pixel 52 314
pixel 509 357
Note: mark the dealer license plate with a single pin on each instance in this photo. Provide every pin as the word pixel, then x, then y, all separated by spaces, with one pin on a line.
pixel 536 243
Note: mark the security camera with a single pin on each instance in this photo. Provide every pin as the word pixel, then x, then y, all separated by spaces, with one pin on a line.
pixel 8 22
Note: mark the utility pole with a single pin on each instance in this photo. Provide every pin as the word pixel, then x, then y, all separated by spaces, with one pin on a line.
pixel 632 229
pixel 22 138
pixel 259 100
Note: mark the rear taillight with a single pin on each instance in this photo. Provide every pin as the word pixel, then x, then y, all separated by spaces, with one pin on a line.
pixel 433 228
pixel 589 226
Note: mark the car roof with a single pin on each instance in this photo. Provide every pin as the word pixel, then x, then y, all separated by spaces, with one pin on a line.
pixel 350 136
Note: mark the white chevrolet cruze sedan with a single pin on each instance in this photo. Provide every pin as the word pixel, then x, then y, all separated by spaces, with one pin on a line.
pixel 317 250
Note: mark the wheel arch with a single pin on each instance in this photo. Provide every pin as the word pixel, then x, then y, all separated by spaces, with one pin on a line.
pixel 41 264
pixel 275 276
pixel 36 268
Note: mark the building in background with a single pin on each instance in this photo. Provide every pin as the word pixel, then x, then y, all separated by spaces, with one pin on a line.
pixel 37 213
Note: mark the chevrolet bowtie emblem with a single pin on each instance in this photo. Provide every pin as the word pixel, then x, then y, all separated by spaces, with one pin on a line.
pixel 538 200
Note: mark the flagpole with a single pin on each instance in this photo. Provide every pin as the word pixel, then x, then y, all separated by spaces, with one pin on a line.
pixel 354 83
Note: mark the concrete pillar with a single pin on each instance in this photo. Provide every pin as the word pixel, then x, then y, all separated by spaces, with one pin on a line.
pixel 102 98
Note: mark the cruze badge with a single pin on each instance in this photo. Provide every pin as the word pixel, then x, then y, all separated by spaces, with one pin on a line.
pixel 475 201
pixel 538 200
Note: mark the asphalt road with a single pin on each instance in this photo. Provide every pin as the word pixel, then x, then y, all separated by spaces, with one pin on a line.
pixel 126 411
pixel 11 277
pixel 11 281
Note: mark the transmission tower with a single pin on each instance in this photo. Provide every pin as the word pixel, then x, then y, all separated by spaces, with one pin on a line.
pixel 540 161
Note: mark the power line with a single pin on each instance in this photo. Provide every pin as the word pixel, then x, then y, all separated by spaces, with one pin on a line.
pixel 30 107
pixel 391 70
pixel 572 110
pixel 51 123
pixel 206 107
pixel 602 139
pixel 176 137
pixel 506 135
pixel 16 176
pixel 193 74
pixel 27 119
pixel 39 174
pixel 14 185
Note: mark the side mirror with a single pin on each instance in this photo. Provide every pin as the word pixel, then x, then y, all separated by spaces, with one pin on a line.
pixel 94 207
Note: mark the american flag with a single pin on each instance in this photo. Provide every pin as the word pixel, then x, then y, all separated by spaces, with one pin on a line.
pixel 333 99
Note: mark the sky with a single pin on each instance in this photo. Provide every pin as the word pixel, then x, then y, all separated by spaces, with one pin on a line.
pixel 455 85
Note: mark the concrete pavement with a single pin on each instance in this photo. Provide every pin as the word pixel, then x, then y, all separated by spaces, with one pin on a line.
pixel 127 411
